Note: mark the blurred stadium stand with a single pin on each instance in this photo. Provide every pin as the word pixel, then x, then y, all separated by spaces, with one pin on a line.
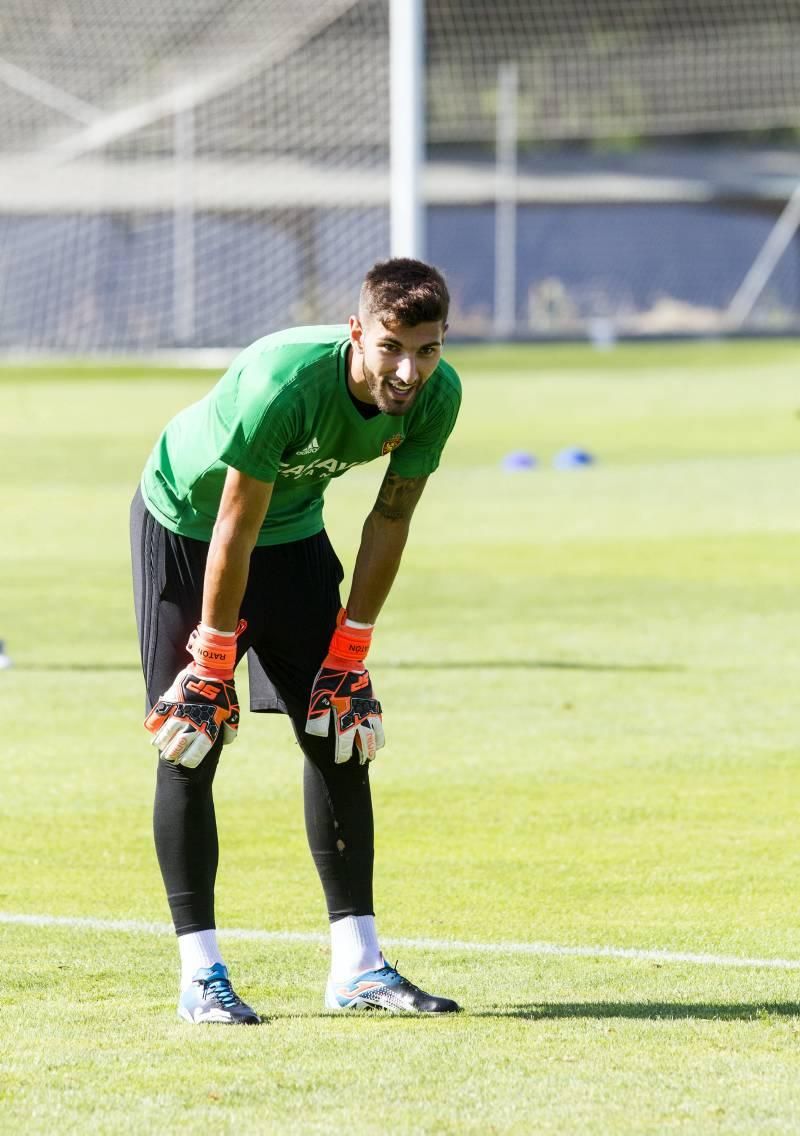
pixel 195 174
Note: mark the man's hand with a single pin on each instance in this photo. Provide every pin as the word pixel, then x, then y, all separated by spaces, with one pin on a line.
pixel 202 700
pixel 342 687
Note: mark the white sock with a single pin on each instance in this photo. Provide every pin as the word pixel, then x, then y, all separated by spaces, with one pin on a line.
pixel 198 950
pixel 354 946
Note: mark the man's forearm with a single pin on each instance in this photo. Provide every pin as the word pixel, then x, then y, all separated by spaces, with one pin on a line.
pixel 227 568
pixel 242 509
pixel 226 574
pixel 382 544
pixel 383 539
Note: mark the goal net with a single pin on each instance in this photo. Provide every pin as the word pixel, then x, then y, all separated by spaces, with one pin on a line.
pixel 599 69
pixel 194 173
pixel 638 183
pixel 198 172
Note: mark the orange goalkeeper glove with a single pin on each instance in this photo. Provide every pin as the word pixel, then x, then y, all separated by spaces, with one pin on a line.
pixel 343 687
pixel 202 700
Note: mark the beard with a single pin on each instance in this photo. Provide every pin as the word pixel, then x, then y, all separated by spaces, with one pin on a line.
pixel 384 397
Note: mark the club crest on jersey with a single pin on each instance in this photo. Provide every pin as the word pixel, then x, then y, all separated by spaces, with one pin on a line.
pixel 391 444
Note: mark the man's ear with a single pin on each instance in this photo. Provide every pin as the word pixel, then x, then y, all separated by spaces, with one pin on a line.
pixel 356 333
pixel 444 332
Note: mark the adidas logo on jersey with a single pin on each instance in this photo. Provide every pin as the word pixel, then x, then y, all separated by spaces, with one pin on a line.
pixel 311 448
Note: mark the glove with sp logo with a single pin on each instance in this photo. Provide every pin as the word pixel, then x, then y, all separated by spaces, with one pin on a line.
pixel 343 689
pixel 187 719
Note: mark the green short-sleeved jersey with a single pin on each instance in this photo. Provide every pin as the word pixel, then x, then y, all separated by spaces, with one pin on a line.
pixel 282 413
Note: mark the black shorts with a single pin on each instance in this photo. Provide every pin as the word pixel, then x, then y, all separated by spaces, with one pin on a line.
pixel 290 603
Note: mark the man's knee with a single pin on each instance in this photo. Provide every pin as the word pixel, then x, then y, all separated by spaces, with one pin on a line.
pixel 190 781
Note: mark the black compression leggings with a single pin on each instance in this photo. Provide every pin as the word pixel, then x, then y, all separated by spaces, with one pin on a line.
pixel 338 815
pixel 290 605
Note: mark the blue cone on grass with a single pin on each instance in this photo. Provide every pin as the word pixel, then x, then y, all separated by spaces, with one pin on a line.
pixel 572 458
pixel 519 460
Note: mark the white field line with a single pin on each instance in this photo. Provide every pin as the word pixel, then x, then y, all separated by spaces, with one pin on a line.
pixel 134 927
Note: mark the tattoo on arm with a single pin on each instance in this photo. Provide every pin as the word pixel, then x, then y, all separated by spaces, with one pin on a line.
pixel 398 496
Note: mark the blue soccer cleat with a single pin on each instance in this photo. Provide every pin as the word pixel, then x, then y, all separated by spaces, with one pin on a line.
pixel 211 998
pixel 384 989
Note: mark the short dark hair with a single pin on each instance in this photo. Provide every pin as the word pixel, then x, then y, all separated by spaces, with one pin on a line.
pixel 404 291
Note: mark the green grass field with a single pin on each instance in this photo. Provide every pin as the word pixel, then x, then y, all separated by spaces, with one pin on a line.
pixel 589 682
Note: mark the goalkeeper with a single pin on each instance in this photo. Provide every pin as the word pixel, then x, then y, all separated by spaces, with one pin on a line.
pixel 230 555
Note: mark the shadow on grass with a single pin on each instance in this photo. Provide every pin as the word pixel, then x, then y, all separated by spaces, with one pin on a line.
pixel 654 1011
pixel 532 1012
pixel 405 665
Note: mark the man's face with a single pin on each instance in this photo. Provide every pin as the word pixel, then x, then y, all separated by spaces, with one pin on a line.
pixel 391 362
